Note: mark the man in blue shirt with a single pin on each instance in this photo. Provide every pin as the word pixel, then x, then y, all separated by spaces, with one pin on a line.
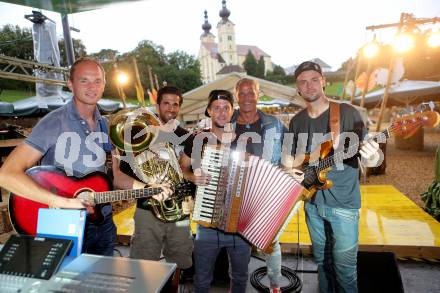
pixel 73 138
pixel 248 122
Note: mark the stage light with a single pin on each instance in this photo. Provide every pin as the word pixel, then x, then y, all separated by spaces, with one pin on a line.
pixel 122 78
pixel 403 42
pixel 371 49
pixel 434 39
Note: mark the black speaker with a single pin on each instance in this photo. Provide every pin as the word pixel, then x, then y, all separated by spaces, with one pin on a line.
pixel 378 272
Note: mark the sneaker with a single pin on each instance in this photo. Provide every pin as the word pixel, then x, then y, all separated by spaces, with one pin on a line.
pixel 275 290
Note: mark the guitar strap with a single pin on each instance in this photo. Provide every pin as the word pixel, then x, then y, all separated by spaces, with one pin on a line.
pixel 107 146
pixel 335 123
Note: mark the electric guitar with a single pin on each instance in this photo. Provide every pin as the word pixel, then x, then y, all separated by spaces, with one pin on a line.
pixel 318 163
pixel 94 187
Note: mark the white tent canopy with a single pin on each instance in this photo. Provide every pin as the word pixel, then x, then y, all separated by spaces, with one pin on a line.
pixel 404 93
pixel 196 100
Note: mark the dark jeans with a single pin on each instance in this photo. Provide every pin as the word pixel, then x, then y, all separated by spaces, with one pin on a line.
pixel 100 239
pixel 207 246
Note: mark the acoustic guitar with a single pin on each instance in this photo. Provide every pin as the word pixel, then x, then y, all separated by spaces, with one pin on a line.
pixel 95 187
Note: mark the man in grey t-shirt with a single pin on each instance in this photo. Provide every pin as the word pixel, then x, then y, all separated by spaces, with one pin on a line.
pixel 72 138
pixel 332 215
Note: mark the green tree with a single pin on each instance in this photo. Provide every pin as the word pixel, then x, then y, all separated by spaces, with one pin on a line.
pixel 177 68
pixel 250 64
pixel 105 55
pixel 79 50
pixel 278 75
pixel 260 68
pixel 16 42
pixel 182 70
pixel 147 54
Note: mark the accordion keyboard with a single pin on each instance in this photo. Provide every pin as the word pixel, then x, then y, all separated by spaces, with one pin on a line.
pixel 205 208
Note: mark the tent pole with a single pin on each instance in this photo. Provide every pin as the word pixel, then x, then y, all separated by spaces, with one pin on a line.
pixel 367 81
pixel 70 55
pixel 358 68
pixel 389 78
pixel 349 67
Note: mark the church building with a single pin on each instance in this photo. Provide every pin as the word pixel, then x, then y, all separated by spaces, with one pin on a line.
pixel 225 56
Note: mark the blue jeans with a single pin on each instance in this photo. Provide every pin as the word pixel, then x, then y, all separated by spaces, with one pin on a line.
pixel 207 246
pixel 273 264
pixel 100 238
pixel 334 235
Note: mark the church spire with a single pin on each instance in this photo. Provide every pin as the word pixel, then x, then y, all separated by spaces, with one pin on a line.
pixel 206 25
pixel 224 13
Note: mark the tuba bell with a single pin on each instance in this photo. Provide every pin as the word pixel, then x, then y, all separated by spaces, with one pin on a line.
pixel 135 133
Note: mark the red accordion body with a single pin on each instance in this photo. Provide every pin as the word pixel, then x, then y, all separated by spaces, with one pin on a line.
pixel 246 195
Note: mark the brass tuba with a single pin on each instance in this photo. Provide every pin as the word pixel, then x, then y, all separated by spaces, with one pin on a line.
pixel 135 132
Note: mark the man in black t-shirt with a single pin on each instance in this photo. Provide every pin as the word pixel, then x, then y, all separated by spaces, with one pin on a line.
pixel 153 237
pixel 332 215
pixel 209 241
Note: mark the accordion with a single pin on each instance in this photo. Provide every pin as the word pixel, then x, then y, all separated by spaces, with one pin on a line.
pixel 246 195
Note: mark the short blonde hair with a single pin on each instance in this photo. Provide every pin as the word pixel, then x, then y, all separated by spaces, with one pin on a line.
pixel 250 81
pixel 84 60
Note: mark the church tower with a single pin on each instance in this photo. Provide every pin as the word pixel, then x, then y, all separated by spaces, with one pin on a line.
pixel 224 56
pixel 207 37
pixel 227 47
pixel 209 64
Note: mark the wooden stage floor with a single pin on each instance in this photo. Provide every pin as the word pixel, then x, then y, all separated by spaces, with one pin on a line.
pixel 389 221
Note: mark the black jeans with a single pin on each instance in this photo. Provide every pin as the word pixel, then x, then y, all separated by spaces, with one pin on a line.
pixel 100 238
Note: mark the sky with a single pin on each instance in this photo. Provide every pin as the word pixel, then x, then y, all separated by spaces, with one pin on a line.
pixel 289 31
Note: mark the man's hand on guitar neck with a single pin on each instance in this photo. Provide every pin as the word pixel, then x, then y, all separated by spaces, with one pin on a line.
pixel 166 191
pixel 370 153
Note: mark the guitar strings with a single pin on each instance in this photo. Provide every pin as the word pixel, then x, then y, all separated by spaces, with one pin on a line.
pixel 329 161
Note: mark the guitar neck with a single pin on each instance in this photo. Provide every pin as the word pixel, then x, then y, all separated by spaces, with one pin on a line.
pixel 117 195
pixel 351 150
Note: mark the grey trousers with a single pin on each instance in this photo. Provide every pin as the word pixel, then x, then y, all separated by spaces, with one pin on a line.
pixel 153 238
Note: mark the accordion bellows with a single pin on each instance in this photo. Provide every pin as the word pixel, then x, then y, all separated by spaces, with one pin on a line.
pixel 246 195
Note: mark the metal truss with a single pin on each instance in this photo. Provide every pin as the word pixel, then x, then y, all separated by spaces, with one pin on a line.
pixel 19 69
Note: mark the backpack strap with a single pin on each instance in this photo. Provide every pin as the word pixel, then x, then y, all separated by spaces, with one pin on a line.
pixel 335 122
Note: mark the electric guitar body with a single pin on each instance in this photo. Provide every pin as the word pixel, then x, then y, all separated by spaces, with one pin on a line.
pixel 319 162
pixel 316 179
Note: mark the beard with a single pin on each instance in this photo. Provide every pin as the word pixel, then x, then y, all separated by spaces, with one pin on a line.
pixel 312 98
pixel 165 119
pixel 218 125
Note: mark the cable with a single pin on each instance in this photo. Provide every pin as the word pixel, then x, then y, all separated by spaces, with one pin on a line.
pixel 118 251
pixel 295 284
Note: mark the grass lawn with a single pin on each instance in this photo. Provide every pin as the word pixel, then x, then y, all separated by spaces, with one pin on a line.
pixel 335 89
pixel 14 95
pixel 11 96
